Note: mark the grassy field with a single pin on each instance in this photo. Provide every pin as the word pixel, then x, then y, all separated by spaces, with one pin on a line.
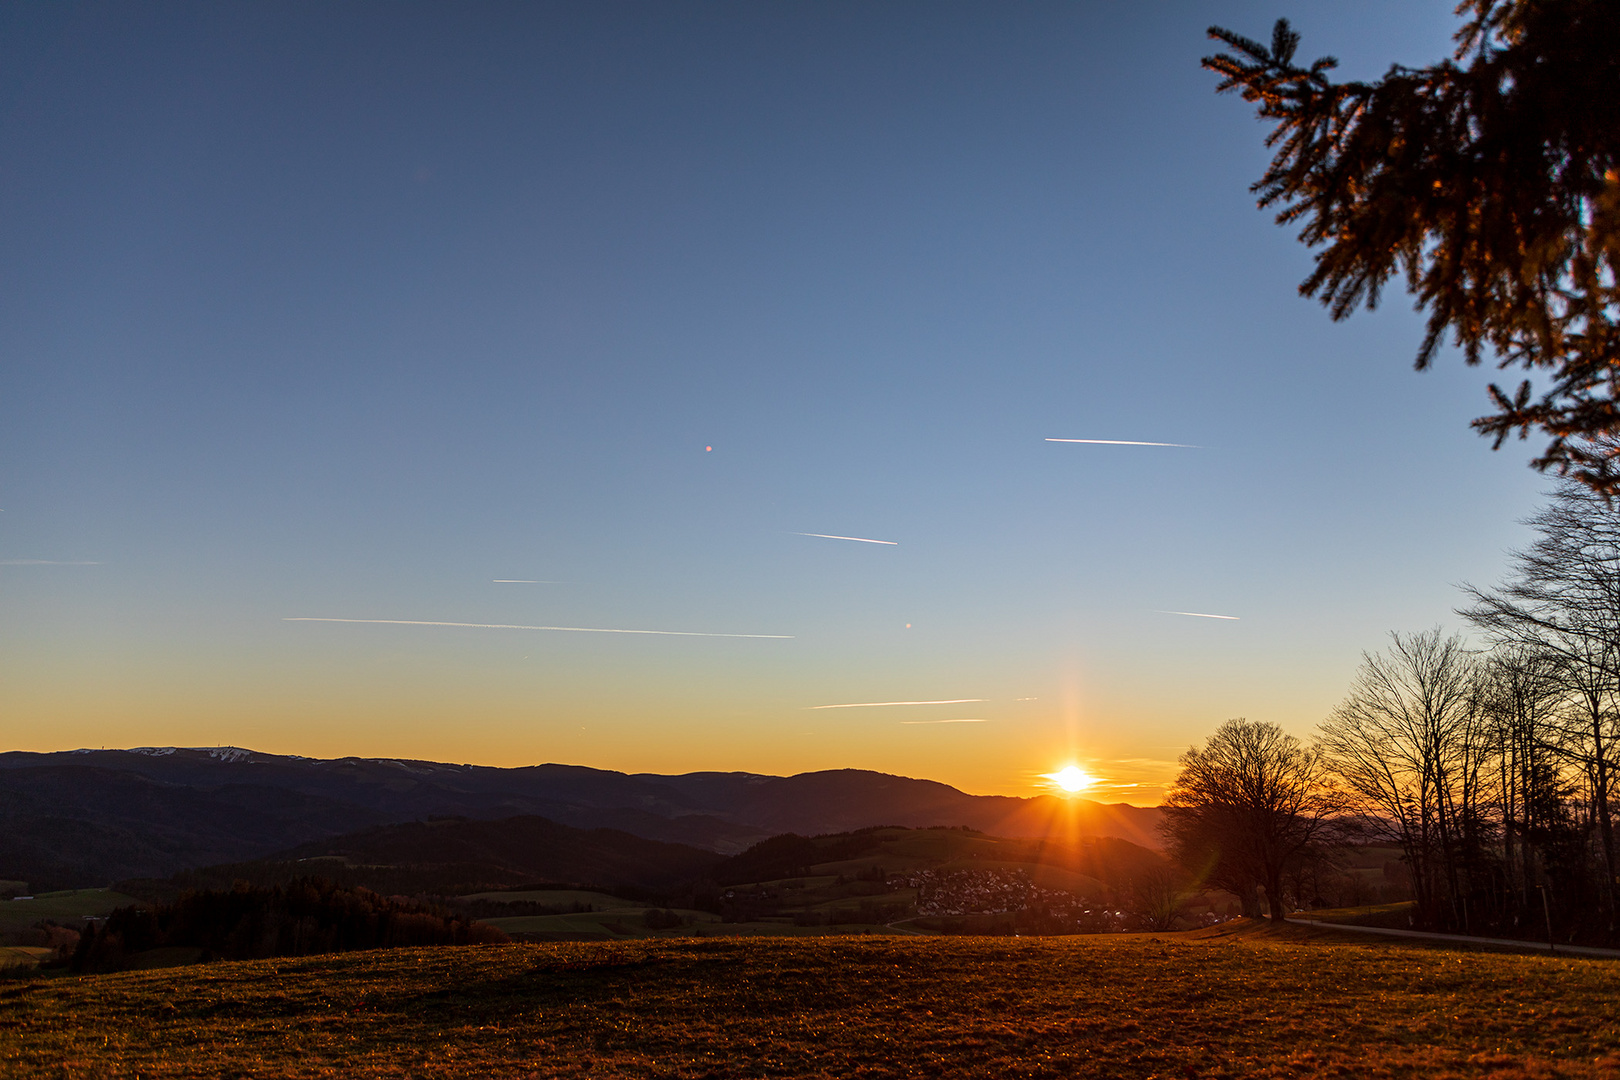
pixel 22 956
pixel 65 907
pixel 622 920
pixel 630 924
pixel 555 897
pixel 1240 1004
pixel 613 917
pixel 630 921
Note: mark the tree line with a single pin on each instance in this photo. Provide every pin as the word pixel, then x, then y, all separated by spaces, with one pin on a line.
pixel 1492 769
pixel 301 918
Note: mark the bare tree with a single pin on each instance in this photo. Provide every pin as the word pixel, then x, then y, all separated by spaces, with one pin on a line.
pixel 1246 807
pixel 1408 743
pixel 1564 602
pixel 1521 699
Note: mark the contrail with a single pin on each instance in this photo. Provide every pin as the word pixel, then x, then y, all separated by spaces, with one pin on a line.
pixel 858 539
pixel 509 626
pixel 47 562
pixel 1201 615
pixel 1128 442
pixel 879 704
pixel 521 581
pixel 975 721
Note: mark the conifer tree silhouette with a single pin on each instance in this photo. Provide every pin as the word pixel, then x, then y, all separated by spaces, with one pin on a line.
pixel 1491 181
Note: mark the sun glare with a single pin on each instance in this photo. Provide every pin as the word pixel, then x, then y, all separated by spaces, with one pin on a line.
pixel 1072 779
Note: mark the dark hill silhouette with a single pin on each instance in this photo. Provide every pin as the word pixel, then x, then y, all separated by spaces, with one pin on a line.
pixel 66 826
pixel 84 818
pixel 791 855
pixel 1108 861
pixel 529 848
pixel 453 857
pixel 842 800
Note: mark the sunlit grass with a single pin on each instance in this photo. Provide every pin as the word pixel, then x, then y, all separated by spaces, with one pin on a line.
pixel 1121 1006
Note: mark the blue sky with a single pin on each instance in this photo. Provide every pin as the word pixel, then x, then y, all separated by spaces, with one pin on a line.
pixel 348 311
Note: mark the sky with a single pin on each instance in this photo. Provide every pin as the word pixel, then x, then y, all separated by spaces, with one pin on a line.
pixel 613 316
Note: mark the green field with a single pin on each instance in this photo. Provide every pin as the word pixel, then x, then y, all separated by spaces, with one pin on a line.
pixel 1233 1004
pixel 24 956
pixel 554 897
pixel 623 920
pixel 66 908
pixel 630 921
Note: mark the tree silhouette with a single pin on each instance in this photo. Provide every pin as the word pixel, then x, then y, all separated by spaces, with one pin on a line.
pixel 1491 181
pixel 1246 807
pixel 1409 743
pixel 1563 602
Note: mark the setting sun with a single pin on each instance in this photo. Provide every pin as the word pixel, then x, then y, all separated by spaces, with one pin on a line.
pixel 1072 779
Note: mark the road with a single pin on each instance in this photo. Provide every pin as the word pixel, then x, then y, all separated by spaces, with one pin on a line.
pixel 1460 939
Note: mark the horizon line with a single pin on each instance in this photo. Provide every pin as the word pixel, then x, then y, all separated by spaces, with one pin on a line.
pixel 530 764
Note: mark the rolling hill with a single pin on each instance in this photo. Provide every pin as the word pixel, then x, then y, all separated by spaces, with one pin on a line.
pixel 854 881
pixel 451 856
pixel 88 817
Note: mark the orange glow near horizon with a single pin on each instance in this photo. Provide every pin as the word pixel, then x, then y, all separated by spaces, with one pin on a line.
pixel 414 704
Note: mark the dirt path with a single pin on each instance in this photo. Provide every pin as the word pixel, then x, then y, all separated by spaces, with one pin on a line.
pixel 897 926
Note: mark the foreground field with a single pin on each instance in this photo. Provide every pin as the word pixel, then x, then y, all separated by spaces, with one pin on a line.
pixel 1113 1006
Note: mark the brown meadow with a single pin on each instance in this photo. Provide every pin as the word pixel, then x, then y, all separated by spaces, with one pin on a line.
pixel 1235 1004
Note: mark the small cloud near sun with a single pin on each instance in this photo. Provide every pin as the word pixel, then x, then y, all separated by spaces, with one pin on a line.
pixel 1071 779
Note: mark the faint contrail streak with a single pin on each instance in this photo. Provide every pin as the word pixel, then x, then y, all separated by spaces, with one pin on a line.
pixel 510 626
pixel 858 539
pixel 879 704
pixel 1128 442
pixel 521 581
pixel 47 562
pixel 1201 615
pixel 964 721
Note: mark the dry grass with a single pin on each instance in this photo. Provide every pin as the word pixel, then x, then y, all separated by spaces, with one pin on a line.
pixel 1238 1005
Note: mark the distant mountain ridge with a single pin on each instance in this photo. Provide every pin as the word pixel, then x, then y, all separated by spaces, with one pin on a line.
pixel 87 817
